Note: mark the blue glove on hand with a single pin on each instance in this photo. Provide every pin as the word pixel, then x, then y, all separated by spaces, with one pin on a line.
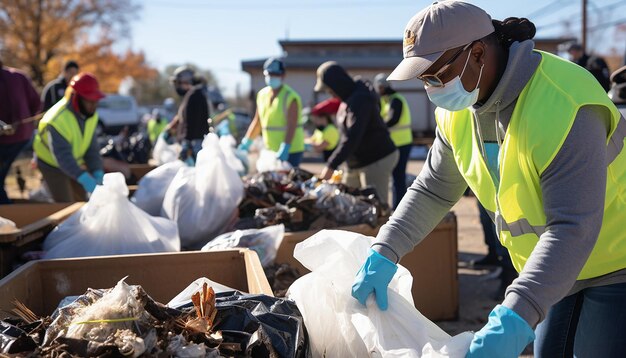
pixel 506 334
pixel 283 151
pixel 374 277
pixel 99 176
pixel 308 147
pixel 245 144
pixel 87 181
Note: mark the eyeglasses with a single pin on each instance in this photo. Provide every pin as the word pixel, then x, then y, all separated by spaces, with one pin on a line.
pixel 434 80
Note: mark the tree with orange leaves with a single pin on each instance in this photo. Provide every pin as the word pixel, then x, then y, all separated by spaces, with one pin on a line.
pixel 38 35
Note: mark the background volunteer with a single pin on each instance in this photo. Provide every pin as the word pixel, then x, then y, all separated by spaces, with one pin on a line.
pixel 18 102
pixel 542 131
pixel 67 152
pixel 55 89
pixel 326 135
pixel 277 116
pixel 365 145
pixel 191 123
pixel 397 116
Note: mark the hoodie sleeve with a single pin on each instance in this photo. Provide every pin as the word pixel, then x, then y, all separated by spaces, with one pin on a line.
pixel 357 117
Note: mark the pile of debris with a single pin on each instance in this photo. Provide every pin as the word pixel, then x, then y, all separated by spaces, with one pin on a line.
pixel 298 200
pixel 126 321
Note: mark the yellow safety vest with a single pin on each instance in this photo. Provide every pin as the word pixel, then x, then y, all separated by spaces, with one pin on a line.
pixel 330 134
pixel 61 118
pixel 273 116
pixel 400 133
pixel 542 118
pixel 155 128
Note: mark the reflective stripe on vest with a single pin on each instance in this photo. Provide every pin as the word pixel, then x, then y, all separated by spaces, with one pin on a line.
pixel 273 118
pixel 543 116
pixel 401 132
pixel 62 118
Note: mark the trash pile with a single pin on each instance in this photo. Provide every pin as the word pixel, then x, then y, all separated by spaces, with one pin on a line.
pixel 298 200
pixel 126 321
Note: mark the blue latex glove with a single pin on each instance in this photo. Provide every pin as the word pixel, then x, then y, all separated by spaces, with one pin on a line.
pixel 308 147
pixel 506 334
pixel 283 151
pixel 99 176
pixel 245 144
pixel 87 181
pixel 374 277
pixel 223 129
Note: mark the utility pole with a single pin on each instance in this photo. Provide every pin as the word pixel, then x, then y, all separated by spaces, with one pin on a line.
pixel 584 27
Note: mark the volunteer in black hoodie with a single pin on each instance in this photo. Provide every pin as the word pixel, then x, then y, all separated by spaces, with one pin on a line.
pixel 365 145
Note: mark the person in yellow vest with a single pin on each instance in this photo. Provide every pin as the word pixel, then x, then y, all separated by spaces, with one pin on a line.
pixel 67 153
pixel 156 125
pixel 397 115
pixel 326 135
pixel 539 142
pixel 277 116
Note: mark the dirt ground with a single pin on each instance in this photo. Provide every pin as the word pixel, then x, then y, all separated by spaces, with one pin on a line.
pixel 476 287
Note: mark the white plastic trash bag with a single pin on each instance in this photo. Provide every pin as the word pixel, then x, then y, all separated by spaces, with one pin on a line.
pixel 165 153
pixel 339 326
pixel 203 199
pixel 152 187
pixel 7 225
pixel 268 162
pixel 264 241
pixel 235 160
pixel 109 224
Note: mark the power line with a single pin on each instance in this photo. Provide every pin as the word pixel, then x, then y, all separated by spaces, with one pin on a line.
pixel 542 11
pixel 607 24
pixel 608 7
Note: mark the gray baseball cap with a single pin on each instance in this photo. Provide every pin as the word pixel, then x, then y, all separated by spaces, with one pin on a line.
pixel 442 26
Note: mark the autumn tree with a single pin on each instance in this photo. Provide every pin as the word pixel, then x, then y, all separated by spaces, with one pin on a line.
pixel 36 32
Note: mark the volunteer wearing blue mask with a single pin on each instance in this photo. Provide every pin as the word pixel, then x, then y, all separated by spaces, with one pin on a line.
pixel 277 116
pixel 540 144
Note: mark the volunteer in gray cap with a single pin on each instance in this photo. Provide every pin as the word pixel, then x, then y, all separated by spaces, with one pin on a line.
pixel 541 145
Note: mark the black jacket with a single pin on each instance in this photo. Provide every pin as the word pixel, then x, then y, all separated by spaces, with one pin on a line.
pixel 193 114
pixel 598 68
pixel 53 92
pixel 364 136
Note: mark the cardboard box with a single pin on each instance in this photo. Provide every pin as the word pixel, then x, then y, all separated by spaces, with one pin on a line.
pixel 41 285
pixel 291 239
pixel 433 265
pixel 140 170
pixel 34 222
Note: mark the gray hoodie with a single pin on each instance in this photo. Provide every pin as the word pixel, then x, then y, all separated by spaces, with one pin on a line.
pixel 573 188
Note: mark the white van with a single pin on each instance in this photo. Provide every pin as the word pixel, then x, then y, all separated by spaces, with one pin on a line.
pixel 117 111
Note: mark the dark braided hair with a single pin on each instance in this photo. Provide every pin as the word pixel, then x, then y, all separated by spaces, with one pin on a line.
pixel 513 29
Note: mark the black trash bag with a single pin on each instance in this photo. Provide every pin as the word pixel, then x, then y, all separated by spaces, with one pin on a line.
pixel 14 339
pixel 262 326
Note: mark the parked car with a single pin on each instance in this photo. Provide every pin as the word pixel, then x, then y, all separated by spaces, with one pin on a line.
pixel 116 112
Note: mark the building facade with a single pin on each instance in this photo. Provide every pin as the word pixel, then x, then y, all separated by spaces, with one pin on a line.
pixel 363 58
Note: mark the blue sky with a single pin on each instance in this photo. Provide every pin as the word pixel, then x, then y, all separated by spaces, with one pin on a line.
pixel 219 34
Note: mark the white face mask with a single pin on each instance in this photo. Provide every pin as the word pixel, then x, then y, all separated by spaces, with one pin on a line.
pixel 273 81
pixel 453 96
